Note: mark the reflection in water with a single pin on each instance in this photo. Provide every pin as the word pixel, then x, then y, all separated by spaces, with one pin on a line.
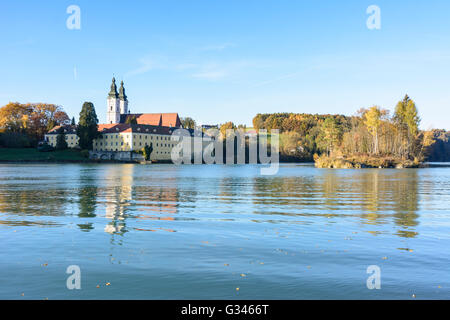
pixel 375 196
pixel 118 196
pixel 163 231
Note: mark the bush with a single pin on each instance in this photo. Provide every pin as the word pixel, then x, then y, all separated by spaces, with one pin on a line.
pixel 16 140
pixel 84 153
pixel 45 147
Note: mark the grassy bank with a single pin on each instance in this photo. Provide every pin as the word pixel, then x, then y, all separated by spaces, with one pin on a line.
pixel 363 161
pixel 32 155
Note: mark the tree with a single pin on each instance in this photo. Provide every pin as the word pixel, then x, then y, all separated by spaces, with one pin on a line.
pixel 259 120
pixel 87 129
pixel 372 120
pixel 14 117
pixel 147 151
pixel 131 120
pixel 73 122
pixel 226 126
pixel 330 134
pixel 32 120
pixel 407 120
pixel 61 143
pixel 188 123
pixel 44 117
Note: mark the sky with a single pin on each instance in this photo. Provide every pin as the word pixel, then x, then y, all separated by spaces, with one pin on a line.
pixel 219 61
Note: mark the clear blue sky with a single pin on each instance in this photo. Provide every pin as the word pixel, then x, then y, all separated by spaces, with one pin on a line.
pixel 218 61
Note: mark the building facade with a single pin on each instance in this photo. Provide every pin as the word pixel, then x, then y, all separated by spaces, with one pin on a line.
pixel 127 132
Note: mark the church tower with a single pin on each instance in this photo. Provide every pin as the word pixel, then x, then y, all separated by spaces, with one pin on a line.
pixel 113 113
pixel 123 100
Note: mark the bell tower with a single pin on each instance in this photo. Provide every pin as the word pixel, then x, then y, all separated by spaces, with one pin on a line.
pixel 123 100
pixel 113 112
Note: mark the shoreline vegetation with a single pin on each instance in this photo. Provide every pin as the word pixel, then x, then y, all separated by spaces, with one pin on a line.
pixel 371 138
pixel 364 161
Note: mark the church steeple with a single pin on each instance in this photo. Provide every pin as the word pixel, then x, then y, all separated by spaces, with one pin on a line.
pixel 113 93
pixel 113 113
pixel 122 95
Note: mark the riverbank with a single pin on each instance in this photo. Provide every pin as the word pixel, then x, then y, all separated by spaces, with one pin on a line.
pixel 360 162
pixel 13 155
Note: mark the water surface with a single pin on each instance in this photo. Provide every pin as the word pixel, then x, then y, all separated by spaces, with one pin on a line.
pixel 201 232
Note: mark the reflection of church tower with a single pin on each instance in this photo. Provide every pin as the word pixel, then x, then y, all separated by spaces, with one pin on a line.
pixel 113 102
pixel 118 197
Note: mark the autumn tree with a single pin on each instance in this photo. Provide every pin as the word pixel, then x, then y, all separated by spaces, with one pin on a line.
pixel 373 121
pixel 15 117
pixel 188 123
pixel 330 134
pixel 32 120
pixel 226 126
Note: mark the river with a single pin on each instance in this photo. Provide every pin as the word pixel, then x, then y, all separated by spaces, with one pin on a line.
pixel 223 232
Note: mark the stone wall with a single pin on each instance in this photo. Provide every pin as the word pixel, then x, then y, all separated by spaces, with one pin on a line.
pixel 125 156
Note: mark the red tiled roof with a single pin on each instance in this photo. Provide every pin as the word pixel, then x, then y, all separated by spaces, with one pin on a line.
pixel 170 120
pixel 156 119
pixel 67 128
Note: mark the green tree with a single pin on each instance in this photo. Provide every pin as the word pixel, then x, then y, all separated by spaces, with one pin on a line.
pixel 87 129
pixel 73 121
pixel 61 143
pixel 407 120
pixel 330 134
pixel 147 151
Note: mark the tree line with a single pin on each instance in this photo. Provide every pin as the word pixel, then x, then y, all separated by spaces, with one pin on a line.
pixel 24 125
pixel 371 131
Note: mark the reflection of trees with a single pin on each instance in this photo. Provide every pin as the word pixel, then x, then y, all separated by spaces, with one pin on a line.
pixel 375 196
pixel 87 198
pixel 24 201
pixel 87 201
